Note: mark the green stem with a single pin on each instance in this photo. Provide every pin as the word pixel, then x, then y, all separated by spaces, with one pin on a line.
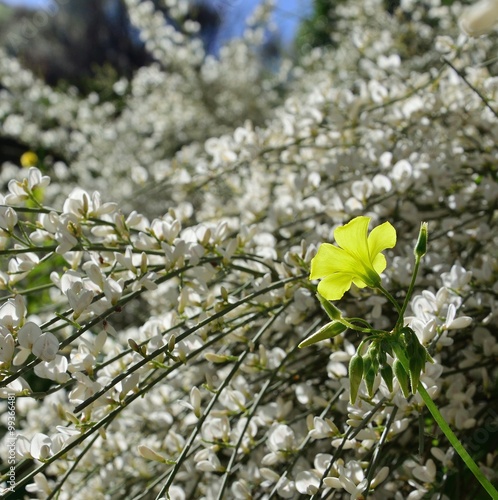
pixel 336 315
pixel 368 331
pixel 393 301
pixel 409 293
pixel 455 442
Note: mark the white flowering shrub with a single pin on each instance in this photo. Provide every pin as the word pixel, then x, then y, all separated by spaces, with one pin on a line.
pixel 153 300
pixel 127 140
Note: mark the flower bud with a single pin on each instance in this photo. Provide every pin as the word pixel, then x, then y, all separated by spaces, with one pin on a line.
pixel 355 376
pixel 330 330
pixel 386 373
pixel 401 376
pixel 329 308
pixel 369 371
pixel 150 454
pixel 417 363
pixel 421 246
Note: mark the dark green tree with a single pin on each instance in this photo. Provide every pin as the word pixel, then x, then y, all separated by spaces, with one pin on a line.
pixel 317 30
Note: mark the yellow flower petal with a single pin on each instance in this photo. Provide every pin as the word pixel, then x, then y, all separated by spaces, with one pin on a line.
pixel 379 263
pixel 330 259
pixel 359 282
pixel 380 238
pixel 333 287
pixel 352 237
pixel 357 259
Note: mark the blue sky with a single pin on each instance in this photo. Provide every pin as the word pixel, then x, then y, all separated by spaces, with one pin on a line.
pixel 27 3
pixel 288 14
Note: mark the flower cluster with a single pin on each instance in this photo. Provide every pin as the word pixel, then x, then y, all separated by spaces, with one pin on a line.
pixel 154 278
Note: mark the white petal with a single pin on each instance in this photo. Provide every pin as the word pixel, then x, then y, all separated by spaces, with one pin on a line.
pixel 46 346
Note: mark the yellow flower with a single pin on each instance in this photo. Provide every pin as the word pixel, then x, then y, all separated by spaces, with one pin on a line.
pixel 29 159
pixel 357 260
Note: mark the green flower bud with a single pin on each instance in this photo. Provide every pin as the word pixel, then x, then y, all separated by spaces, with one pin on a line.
pixel 328 331
pixel 369 372
pixel 401 376
pixel 386 348
pixel 411 341
pixel 421 246
pixel 355 376
pixel 387 375
pixel 329 308
pixel 416 365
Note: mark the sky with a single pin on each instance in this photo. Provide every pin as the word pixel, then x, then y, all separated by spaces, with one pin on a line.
pixel 288 14
pixel 27 3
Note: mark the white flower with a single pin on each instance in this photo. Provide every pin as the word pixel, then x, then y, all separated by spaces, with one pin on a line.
pixel 20 191
pixel 352 478
pixel 457 278
pixel 241 490
pixel 46 346
pixel 84 388
pixel 43 345
pixel 78 296
pixel 36 179
pixel 207 461
pixel 307 482
pixel 453 323
pixel 195 401
pixel 221 150
pixel 8 218
pixel 446 458
pixel 82 360
pixel 12 313
pixel 82 205
pixel 426 473
pixel 40 447
pixel 150 454
pixel 28 335
pixel 20 265
pixel 480 18
pixel 7 347
pixel 113 290
pixel 67 241
pixel 216 429
pixel 323 428
pixel 41 485
pixel 55 370
pixel 281 441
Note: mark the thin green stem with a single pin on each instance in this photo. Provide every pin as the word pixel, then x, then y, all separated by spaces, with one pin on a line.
pixel 450 435
pixel 391 299
pixel 457 445
pixel 336 315
pixel 409 293
pixel 368 331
